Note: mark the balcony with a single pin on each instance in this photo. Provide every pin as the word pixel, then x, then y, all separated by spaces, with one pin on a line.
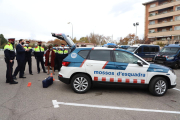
pixel 166 33
pixel 163 15
pixel 170 4
pixel 164 24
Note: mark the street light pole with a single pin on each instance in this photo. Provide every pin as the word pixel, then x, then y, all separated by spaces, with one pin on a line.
pixel 72 28
pixel 136 24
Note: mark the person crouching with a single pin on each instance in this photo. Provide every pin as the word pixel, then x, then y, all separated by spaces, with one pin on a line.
pixel 50 56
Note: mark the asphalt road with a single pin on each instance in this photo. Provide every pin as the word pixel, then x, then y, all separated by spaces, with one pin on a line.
pixel 19 102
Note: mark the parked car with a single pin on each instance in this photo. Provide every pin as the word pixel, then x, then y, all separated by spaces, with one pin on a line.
pixel 147 52
pixel 85 66
pixel 169 56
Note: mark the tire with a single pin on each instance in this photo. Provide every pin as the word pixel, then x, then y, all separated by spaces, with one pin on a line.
pixel 176 66
pixel 81 80
pixel 154 89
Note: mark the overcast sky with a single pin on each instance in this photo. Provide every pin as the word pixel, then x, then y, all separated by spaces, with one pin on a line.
pixel 36 19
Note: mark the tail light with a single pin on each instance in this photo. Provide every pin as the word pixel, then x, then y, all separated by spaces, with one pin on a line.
pixel 60 75
pixel 65 63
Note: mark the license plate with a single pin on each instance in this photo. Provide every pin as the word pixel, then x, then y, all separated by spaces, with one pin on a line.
pixel 148 59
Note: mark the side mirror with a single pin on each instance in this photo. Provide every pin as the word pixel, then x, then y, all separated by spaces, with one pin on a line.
pixel 140 63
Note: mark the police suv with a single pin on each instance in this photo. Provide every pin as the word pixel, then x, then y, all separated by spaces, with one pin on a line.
pixel 85 66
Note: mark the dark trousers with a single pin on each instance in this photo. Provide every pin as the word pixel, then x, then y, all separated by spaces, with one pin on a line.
pixel 57 64
pixel 40 59
pixel 9 70
pixel 19 68
pixel 60 63
pixel 29 61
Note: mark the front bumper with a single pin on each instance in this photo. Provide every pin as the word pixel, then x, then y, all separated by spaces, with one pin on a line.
pixel 166 63
pixel 64 80
pixel 172 86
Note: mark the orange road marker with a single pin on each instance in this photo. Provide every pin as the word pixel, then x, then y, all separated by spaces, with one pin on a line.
pixel 29 84
pixel 51 75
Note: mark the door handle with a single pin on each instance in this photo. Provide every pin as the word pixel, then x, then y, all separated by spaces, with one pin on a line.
pixel 89 64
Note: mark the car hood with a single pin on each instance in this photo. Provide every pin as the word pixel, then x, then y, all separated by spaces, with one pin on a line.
pixel 165 53
pixel 158 68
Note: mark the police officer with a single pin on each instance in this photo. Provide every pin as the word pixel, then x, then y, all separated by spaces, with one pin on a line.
pixel 62 54
pixel 56 61
pixel 39 53
pixel 9 55
pixel 28 57
pixel 20 57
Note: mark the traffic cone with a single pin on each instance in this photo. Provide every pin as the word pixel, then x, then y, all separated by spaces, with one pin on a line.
pixel 53 79
pixel 29 84
pixel 51 75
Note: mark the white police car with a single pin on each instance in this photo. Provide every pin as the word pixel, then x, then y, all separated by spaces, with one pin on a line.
pixel 84 66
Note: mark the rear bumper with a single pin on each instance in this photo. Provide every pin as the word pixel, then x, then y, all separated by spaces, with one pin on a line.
pixel 64 80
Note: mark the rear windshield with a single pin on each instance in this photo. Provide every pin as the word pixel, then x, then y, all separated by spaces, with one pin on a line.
pixel 169 50
pixel 131 49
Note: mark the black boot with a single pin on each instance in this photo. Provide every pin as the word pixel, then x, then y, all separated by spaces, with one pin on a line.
pixel 14 82
pixel 7 81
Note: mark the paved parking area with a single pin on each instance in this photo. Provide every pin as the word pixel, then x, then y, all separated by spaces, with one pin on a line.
pixel 19 102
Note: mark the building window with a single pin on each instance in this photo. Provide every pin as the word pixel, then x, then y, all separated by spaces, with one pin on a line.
pixel 152 31
pixel 170 29
pixel 177 8
pixel 177 28
pixel 164 30
pixel 177 37
pixel 164 12
pixel 177 18
pixel 152 14
pixel 163 38
pixel 152 22
pixel 153 5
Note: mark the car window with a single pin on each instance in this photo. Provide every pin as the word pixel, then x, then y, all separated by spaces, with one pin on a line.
pixel 103 55
pixel 125 57
pixel 139 50
pixel 146 49
pixel 83 53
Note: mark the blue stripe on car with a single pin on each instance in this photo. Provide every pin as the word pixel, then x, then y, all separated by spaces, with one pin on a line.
pixel 158 68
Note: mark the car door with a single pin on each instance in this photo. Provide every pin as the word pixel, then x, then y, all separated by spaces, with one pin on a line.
pixel 127 69
pixel 100 66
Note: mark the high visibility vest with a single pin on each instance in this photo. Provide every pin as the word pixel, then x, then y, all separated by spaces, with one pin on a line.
pixel 56 51
pixel 37 49
pixel 63 51
pixel 9 46
pixel 25 47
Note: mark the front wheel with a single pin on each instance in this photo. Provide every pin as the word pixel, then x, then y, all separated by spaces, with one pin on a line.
pixel 176 66
pixel 80 83
pixel 158 86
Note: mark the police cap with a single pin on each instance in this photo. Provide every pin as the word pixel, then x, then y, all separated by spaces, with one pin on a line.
pixel 27 41
pixel 11 39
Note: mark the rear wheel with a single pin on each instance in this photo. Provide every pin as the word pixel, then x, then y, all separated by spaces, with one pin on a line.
pixel 80 83
pixel 158 86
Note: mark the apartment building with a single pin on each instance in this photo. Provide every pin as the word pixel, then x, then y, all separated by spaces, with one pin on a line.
pixel 162 21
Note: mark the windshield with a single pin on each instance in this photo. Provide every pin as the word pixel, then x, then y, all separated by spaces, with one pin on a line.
pixel 169 50
pixel 131 49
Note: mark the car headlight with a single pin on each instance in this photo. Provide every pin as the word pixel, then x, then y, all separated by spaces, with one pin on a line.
pixel 170 58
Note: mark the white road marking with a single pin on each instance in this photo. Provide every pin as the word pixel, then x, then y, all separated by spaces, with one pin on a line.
pixel 56 105
pixel 176 89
